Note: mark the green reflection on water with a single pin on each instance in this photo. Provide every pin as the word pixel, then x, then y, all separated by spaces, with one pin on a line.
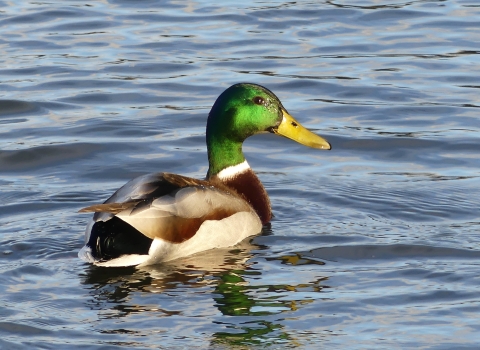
pixel 251 309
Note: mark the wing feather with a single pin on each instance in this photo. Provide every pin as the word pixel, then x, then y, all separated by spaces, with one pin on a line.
pixel 112 208
pixel 179 218
pixel 168 206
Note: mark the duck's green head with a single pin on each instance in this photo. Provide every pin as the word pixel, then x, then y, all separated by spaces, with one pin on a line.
pixel 244 110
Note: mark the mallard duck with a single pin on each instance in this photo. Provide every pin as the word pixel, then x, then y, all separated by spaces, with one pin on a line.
pixel 162 216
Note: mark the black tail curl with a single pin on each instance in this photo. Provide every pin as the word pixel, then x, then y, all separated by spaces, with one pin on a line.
pixel 114 238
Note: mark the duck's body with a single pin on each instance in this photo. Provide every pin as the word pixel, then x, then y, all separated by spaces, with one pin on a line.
pixel 161 217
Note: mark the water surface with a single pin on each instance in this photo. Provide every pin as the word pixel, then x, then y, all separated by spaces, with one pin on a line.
pixel 374 244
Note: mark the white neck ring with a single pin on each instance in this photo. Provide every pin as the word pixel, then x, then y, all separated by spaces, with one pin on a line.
pixel 233 171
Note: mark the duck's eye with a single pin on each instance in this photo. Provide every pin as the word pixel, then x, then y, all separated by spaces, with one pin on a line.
pixel 259 100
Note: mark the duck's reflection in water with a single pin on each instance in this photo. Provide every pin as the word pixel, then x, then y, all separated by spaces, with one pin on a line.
pixel 208 287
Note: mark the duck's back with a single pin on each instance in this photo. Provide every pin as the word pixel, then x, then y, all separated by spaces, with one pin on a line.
pixel 160 217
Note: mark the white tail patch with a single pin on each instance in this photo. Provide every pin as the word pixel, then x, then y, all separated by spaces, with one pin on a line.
pixel 233 170
pixel 125 260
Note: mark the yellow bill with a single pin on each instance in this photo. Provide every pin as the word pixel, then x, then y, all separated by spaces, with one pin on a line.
pixel 292 129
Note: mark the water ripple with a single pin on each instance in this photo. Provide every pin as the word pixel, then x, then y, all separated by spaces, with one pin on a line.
pixel 377 238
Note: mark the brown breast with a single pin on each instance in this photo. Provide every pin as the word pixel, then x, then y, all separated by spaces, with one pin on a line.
pixel 248 185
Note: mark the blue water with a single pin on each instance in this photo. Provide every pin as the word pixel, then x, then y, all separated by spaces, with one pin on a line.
pixel 374 245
